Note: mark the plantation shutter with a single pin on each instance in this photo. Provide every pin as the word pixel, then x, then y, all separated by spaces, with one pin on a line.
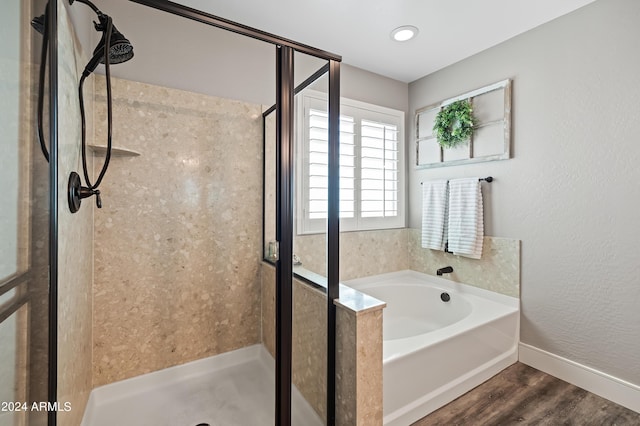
pixel 371 166
pixel 379 169
pixel 318 167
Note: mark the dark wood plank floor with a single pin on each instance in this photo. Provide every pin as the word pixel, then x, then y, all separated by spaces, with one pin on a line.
pixel 521 395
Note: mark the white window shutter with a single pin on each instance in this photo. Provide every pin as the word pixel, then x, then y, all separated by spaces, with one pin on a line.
pixel 318 168
pixel 371 165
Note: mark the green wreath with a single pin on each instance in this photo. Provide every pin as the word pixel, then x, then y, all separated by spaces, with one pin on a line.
pixel 454 124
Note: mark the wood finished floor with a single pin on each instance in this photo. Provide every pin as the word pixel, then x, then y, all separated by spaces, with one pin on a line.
pixel 522 395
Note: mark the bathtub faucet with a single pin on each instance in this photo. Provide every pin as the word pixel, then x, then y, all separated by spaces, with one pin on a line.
pixel 445 270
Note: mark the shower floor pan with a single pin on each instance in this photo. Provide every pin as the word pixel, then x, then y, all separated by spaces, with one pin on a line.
pixel 234 388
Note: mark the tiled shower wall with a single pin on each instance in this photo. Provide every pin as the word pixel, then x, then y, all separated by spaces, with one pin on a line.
pixel 358 350
pixel 75 249
pixel 178 240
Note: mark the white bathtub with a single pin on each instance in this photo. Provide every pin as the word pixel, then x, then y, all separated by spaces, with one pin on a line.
pixel 435 351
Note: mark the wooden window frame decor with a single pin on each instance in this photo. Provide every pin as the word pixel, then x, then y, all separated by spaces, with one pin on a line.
pixel 492 120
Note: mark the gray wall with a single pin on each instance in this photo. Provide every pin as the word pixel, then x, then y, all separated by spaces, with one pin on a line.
pixel 365 86
pixel 572 191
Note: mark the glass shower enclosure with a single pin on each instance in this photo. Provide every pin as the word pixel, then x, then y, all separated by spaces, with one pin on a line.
pixel 297 66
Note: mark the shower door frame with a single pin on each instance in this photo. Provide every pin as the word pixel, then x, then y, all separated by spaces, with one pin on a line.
pixel 285 49
pixel 52 369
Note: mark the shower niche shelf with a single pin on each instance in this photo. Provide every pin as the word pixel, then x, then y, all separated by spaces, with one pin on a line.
pixel 115 152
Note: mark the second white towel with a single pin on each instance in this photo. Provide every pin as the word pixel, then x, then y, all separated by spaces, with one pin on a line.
pixel 466 217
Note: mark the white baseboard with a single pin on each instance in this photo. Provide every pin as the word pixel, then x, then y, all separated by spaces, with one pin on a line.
pixel 612 388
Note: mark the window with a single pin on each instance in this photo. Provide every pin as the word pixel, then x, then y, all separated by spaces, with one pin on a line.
pixel 371 165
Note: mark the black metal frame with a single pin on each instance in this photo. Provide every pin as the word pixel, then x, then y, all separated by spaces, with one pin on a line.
pixel 225 24
pixel 333 233
pixel 53 211
pixel 332 68
pixel 284 226
pixel 300 87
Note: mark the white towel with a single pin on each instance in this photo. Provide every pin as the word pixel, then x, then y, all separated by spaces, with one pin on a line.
pixel 434 210
pixel 466 218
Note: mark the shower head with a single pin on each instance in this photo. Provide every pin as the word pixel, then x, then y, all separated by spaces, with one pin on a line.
pixel 120 48
pixel 38 23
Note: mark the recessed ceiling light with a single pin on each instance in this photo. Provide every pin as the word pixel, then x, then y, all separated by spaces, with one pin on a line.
pixel 404 33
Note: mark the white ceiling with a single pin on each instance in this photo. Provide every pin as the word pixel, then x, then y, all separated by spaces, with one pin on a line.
pixel 359 30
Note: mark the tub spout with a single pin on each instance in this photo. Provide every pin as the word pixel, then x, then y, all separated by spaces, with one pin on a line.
pixel 445 270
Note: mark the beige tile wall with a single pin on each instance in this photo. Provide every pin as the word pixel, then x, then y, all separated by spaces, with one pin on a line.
pixel 359 351
pixel 32 319
pixel 368 253
pixel 268 307
pixel 362 253
pixel 359 367
pixel 309 351
pixel 75 249
pixel 309 345
pixel 178 241
pixel 498 270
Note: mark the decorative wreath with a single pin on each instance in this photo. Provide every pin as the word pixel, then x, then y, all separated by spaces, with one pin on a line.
pixel 454 124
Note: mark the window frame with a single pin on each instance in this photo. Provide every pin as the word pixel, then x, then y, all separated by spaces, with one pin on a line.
pixel 311 99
